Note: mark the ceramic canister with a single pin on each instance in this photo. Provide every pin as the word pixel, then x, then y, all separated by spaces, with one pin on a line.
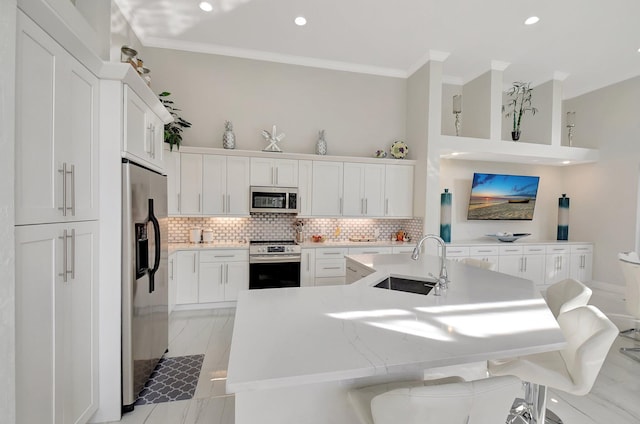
pixel 207 235
pixel 195 235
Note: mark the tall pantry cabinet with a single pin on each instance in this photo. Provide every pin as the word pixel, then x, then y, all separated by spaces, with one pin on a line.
pixel 56 231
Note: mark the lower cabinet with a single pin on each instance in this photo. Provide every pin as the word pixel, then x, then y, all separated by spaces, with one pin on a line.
pixel 208 276
pixel 581 262
pixel 330 266
pixel 557 264
pixel 56 322
pixel 356 271
pixel 524 262
pixel 307 267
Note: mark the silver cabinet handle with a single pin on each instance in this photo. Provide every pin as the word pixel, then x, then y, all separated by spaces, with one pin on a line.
pixel 73 254
pixel 179 206
pixel 277 176
pixel 148 137
pixel 366 206
pixel 362 206
pixel 525 264
pixel 194 263
pixel 171 269
pixel 351 269
pixel 199 202
pixel 223 256
pixel 63 274
pixel 63 171
pixel 386 206
pixel 65 255
pixel 308 261
pixel 341 206
pixel 521 261
pixel 226 273
pixel 228 203
pixel 221 274
pixel 331 267
pixel 224 204
pixel 73 190
pixel 332 253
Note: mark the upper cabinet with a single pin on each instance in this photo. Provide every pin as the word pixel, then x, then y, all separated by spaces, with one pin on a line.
pixel 274 172
pixel 326 191
pixel 143 130
pixel 56 132
pixel 171 160
pixel 363 190
pixel 398 191
pixel 305 180
pixel 213 185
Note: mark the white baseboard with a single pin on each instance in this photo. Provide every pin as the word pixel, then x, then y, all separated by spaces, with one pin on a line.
pixel 614 289
pixel 199 306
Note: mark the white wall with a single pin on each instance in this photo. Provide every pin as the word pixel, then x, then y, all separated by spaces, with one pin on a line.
pixel 98 14
pixel 7 253
pixel 360 113
pixel 457 175
pixel 121 35
pixel 606 193
pixel 476 107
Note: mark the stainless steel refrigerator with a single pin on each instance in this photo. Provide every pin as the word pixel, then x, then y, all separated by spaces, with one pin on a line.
pixel 145 317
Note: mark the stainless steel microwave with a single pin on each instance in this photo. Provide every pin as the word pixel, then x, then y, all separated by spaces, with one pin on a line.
pixel 274 199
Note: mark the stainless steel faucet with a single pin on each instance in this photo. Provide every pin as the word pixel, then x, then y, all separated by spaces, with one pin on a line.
pixel 443 279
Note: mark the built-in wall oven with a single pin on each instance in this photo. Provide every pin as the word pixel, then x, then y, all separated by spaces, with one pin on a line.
pixel 274 264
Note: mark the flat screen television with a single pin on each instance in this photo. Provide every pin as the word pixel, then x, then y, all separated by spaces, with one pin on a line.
pixel 502 197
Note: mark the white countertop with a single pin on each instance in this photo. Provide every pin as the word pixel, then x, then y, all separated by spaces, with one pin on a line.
pixel 294 336
pixel 207 246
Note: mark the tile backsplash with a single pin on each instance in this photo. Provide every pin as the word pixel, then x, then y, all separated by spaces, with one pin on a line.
pixel 268 226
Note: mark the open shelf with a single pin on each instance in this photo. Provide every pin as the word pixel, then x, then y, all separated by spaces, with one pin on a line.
pixel 467 148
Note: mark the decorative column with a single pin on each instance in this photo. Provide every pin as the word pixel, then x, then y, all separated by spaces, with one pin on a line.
pixel 563 217
pixel 445 215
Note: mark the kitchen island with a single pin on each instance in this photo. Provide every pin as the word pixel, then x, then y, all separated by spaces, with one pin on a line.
pixel 296 352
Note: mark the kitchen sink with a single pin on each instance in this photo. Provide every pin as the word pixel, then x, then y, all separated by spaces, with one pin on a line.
pixel 406 285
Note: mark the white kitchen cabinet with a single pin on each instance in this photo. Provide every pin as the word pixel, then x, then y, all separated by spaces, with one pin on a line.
pixel 223 274
pixel 56 149
pixel 330 266
pixel 368 250
pixel 489 254
pixel 355 271
pixel 274 172
pixel 581 262
pixel 213 185
pixel 557 264
pixel 143 130
pixel 56 322
pixel 398 189
pixel 526 261
pixel 403 249
pixel 172 280
pixel 190 194
pixel 327 188
pixel 187 270
pixel 363 190
pixel 305 179
pixel 307 267
pixel 171 161
pixel 212 275
pixel 455 253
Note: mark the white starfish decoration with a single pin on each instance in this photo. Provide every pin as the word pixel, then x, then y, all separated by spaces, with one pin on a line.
pixel 272 138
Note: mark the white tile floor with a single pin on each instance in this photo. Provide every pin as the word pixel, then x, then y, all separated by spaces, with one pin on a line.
pixel 614 399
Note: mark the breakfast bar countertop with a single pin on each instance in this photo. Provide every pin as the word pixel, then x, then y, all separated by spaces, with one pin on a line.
pixel 298 336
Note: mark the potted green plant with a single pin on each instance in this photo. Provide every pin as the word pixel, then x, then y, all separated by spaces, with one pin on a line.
pixel 519 104
pixel 173 130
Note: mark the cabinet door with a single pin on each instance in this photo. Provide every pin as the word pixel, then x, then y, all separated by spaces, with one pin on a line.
pixel 137 137
pixel 262 172
pixel 236 279
pixel 211 282
pixel 534 266
pixel 305 177
pixel 327 188
pixel 556 267
pixel 353 190
pixel 171 164
pixel 237 190
pixel 56 322
pixel 56 132
pixel 191 184
pixel 398 191
pixel 286 172
pixel 187 277
pixel 373 192
pixel 511 264
pixel 83 107
pixel 172 280
pixel 307 267
pixel 157 139
pixel 214 185
pixel 581 266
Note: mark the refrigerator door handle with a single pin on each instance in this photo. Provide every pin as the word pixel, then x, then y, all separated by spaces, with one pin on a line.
pixel 157 245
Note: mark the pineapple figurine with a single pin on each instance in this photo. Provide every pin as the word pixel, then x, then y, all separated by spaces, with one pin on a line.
pixel 228 138
pixel 321 144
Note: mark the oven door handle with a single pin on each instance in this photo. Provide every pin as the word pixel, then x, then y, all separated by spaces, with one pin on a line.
pixel 273 259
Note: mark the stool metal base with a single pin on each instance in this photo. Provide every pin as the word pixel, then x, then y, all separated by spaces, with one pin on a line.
pixel 521 414
pixel 631 352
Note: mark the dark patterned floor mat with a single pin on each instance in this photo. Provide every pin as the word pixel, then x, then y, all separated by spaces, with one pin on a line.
pixel 172 379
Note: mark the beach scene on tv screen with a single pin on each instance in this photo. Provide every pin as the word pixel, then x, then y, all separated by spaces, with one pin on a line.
pixel 497 196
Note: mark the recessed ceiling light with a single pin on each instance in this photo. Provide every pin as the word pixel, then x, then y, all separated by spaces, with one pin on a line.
pixel 206 6
pixel 300 21
pixel 531 20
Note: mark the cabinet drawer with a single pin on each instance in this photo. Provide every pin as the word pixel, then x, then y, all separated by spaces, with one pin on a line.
pixel 483 250
pixel 582 248
pixel 369 250
pixel 330 268
pixel 534 250
pixel 337 253
pixel 511 250
pixel 557 249
pixel 453 251
pixel 330 281
pixel 403 249
pixel 224 255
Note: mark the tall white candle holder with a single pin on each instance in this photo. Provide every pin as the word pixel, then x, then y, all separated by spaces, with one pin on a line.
pixel 457 110
pixel 571 123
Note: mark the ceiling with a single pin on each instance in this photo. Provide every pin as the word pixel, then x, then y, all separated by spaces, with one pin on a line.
pixel 591 43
